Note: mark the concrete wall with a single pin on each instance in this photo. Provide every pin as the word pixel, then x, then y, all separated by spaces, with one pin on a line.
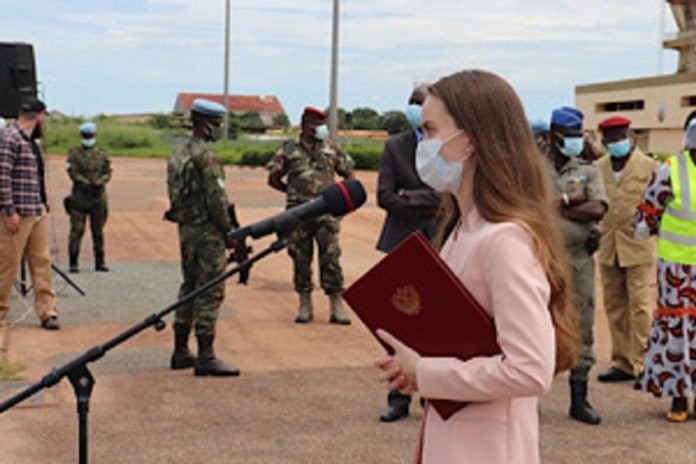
pixel 664 109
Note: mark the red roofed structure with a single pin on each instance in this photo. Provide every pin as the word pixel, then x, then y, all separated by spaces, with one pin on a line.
pixel 267 106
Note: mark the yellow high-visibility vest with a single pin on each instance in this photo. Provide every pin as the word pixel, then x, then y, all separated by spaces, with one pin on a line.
pixel 677 237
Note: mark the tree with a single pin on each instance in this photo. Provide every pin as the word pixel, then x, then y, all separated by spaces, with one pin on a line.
pixel 394 122
pixel 366 119
pixel 341 116
pixel 251 120
pixel 281 120
pixel 161 121
pixel 234 126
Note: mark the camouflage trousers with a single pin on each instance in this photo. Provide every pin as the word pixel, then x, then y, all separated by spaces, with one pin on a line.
pixel 583 276
pixel 324 231
pixel 202 259
pixel 97 213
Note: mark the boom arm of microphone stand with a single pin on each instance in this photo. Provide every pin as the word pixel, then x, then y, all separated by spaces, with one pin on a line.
pixel 153 320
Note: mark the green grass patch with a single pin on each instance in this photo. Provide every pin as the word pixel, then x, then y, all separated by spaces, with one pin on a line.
pixel 10 371
pixel 113 136
pixel 148 140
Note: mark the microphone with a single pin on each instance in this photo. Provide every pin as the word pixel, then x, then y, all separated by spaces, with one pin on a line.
pixel 336 199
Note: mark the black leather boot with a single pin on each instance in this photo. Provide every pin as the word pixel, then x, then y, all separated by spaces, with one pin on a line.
pixel 74 266
pixel 99 264
pixel 398 404
pixel 207 363
pixel 182 358
pixel 580 408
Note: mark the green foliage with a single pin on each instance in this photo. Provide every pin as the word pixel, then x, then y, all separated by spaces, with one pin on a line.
pixel 246 152
pixel 256 156
pixel 366 119
pixel 281 120
pixel 342 119
pixel 251 120
pixel 10 370
pixel 234 126
pixel 119 138
pixel 394 122
pixel 366 156
pixel 113 136
pixel 163 121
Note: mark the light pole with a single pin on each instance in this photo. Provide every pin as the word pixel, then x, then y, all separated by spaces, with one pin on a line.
pixel 227 69
pixel 333 110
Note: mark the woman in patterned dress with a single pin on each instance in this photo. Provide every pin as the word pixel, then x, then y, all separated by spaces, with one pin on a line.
pixel 670 360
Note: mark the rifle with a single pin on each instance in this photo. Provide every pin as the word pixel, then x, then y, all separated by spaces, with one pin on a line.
pixel 241 249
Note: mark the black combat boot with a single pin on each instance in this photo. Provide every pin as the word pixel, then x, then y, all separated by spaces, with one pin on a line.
pixel 580 408
pixel 207 363
pixel 398 404
pixel 182 357
pixel 99 264
pixel 74 266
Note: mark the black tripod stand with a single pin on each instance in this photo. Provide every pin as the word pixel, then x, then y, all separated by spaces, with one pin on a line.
pixel 81 378
pixel 22 284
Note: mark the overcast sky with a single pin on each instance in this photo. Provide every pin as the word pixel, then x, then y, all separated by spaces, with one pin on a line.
pixel 129 56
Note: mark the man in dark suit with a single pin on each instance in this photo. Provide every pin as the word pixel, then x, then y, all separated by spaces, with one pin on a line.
pixel 410 205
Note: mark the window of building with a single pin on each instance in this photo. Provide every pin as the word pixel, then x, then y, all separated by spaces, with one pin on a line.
pixel 632 105
pixel 689 100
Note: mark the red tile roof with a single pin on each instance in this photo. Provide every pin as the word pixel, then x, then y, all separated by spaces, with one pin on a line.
pixel 238 103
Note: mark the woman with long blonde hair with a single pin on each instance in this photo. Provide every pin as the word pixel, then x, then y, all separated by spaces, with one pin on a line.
pixel 506 248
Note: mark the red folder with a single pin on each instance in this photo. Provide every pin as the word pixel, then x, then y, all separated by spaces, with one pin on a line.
pixel 413 294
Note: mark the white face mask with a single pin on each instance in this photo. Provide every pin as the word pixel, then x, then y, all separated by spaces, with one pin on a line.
pixel 434 170
pixel 321 132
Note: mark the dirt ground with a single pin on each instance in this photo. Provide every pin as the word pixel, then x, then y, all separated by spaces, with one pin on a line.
pixel 307 394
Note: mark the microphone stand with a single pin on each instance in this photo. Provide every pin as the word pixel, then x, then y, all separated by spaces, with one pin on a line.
pixel 81 378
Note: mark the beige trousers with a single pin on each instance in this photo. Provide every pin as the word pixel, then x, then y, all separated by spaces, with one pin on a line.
pixel 32 241
pixel 628 301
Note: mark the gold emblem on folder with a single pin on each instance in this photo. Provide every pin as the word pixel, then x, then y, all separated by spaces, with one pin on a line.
pixel 407 300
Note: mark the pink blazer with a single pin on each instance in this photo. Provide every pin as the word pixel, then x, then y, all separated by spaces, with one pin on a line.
pixel 498 264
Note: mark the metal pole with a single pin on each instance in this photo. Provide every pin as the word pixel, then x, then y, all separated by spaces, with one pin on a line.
pixel 661 49
pixel 227 69
pixel 333 109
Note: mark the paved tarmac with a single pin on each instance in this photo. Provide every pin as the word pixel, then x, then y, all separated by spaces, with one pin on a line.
pixel 307 394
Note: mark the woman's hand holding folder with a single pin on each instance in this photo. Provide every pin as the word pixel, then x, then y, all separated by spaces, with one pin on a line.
pixel 399 370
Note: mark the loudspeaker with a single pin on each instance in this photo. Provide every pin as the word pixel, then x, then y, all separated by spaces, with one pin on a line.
pixel 17 77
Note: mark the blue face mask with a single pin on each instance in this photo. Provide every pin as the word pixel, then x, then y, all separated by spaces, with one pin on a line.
pixel 89 142
pixel 321 132
pixel 572 146
pixel 619 149
pixel 413 115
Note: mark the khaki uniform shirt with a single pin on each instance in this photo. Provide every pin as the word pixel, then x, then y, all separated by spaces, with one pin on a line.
pixel 574 176
pixel 617 245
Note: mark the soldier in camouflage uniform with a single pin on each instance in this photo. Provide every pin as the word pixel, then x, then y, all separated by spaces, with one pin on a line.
pixel 582 202
pixel 89 169
pixel 199 205
pixel 310 165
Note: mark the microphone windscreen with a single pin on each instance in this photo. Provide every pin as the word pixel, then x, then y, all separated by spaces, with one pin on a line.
pixel 343 197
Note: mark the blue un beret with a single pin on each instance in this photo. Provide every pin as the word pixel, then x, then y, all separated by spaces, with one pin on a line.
pixel 88 128
pixel 567 117
pixel 539 126
pixel 208 108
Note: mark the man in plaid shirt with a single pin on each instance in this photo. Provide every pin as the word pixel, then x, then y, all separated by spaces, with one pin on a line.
pixel 24 228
